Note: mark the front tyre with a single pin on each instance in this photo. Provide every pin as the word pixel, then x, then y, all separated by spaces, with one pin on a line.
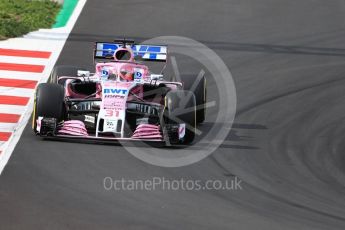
pixel 180 111
pixel 48 102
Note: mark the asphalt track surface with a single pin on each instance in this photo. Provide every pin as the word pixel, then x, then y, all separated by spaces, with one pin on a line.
pixel 286 145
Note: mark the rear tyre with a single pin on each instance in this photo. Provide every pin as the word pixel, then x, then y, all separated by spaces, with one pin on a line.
pixel 200 93
pixel 63 70
pixel 179 109
pixel 49 102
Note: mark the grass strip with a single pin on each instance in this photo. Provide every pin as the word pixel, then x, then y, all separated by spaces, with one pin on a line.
pixel 18 17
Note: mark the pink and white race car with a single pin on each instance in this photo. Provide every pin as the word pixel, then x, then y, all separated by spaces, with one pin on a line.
pixel 122 100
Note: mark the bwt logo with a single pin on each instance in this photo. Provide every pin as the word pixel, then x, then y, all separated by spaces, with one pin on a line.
pixel 115 91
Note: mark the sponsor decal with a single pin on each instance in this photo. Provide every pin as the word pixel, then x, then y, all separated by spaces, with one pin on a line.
pixel 116 103
pixel 109 125
pixel 114 96
pixel 138 74
pixel 90 119
pixel 104 74
pixel 115 91
pixel 181 131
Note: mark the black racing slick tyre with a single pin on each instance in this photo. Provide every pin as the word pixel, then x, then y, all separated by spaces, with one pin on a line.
pixel 63 70
pixel 180 108
pixel 198 87
pixel 48 102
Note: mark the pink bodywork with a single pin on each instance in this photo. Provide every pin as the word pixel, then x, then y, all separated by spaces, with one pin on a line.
pixel 125 74
pixel 143 131
pixel 116 68
pixel 73 127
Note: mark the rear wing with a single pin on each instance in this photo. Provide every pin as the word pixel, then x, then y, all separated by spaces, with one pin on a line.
pixel 106 50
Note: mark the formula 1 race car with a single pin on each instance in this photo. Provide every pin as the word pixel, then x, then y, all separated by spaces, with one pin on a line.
pixel 122 100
